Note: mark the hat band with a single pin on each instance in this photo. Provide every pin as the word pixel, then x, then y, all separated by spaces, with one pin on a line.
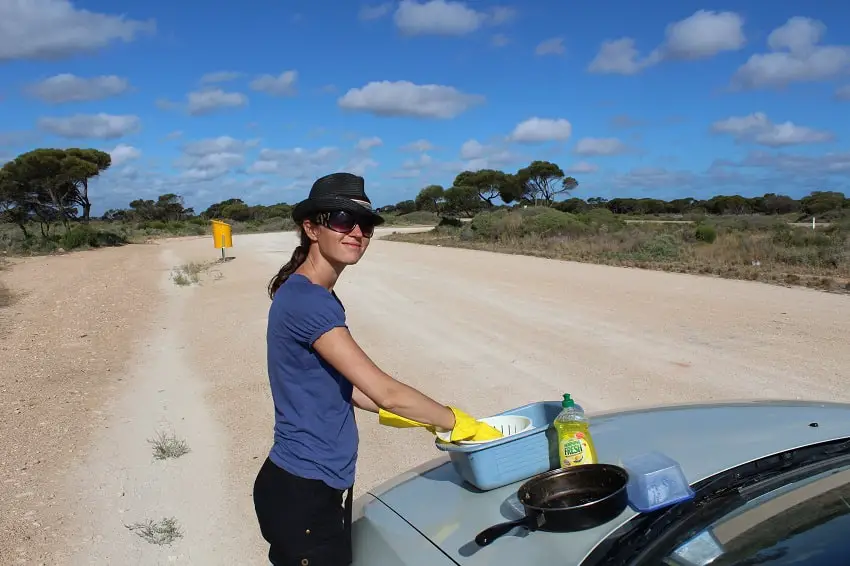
pixel 363 203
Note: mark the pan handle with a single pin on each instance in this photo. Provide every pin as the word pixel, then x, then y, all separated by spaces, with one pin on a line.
pixel 487 536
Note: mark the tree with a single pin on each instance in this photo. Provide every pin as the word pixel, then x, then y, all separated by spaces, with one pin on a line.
pixel 462 200
pixel 44 184
pixel 488 183
pixel 430 198
pixel 86 164
pixel 543 180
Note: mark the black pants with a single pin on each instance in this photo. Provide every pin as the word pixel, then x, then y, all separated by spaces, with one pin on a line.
pixel 303 520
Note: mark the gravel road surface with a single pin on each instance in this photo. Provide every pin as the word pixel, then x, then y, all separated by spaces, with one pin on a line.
pixel 483 331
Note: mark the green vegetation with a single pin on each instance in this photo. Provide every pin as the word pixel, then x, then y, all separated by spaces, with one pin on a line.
pixel 45 207
pixel 757 248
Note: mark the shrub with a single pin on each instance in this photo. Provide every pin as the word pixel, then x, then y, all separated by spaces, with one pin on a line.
pixel 485 225
pixel 447 221
pixel 706 233
pixel 551 222
pixel 661 247
pixel 602 220
pixel 85 235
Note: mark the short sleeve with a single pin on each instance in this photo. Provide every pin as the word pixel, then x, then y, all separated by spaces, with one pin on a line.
pixel 315 313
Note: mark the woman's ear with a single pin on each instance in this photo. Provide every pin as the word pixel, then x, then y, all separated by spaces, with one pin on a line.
pixel 312 230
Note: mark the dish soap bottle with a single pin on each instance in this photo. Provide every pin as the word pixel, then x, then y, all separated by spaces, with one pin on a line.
pixel 575 447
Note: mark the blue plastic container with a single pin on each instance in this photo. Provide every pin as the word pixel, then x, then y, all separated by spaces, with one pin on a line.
pixel 513 458
pixel 655 481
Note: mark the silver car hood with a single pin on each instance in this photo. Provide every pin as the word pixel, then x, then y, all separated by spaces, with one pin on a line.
pixel 704 439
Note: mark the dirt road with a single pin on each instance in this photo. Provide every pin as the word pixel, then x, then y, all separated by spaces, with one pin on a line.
pixel 483 331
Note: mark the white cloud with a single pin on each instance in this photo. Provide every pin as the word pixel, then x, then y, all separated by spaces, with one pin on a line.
pixel 843 93
pixel 704 34
pixel 828 164
pixel 536 130
pixel 66 87
pixel 55 29
pixel 757 128
pixel 296 163
pixel 475 156
pixel 220 77
pixel 365 144
pixel 207 101
pixel 221 144
pixel 796 56
pixel 600 146
pixel 421 162
pixel 123 153
pixel 403 98
pixel 281 85
pixel 582 167
pixel 99 126
pixel 211 158
pixel 360 166
pixel 446 17
pixel 653 178
pixel 472 149
pixel 375 12
pixel 418 145
pixel 701 35
pixel 618 56
pixel 553 46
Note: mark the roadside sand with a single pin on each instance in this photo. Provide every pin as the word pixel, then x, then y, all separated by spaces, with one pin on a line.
pixel 63 352
pixel 483 331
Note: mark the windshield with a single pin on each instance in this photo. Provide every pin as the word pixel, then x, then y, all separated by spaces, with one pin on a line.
pixel 806 522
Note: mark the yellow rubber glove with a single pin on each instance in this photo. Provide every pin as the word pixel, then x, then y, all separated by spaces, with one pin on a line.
pixel 466 427
pixel 387 418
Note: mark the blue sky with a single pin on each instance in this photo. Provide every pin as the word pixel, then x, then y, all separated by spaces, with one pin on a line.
pixel 214 99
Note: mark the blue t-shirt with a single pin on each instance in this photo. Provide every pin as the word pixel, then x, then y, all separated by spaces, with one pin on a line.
pixel 315 435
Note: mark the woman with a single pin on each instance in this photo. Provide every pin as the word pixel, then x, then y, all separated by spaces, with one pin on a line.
pixel 318 374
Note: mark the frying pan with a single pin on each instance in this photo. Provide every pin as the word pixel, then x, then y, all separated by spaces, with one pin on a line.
pixel 567 499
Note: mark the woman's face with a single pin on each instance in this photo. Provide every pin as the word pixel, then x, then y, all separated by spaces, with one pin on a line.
pixel 340 237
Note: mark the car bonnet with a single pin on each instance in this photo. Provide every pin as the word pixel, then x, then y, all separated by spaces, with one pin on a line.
pixel 705 440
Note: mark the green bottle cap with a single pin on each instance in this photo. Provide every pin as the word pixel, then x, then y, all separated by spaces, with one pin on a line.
pixel 568 401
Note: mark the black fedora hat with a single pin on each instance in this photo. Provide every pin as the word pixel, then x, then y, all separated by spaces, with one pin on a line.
pixel 337 191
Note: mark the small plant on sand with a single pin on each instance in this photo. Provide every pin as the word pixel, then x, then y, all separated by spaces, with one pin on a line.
pixel 188 273
pixel 168 446
pixel 162 532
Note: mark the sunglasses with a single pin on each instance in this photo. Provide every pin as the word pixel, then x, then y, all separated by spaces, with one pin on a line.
pixel 344 222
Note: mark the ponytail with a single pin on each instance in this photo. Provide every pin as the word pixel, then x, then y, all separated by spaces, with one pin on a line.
pixel 299 256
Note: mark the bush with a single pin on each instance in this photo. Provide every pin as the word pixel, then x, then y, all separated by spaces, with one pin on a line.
pixel 84 235
pixel 602 220
pixel 486 225
pixel 706 233
pixel 661 247
pixel 447 221
pixel 551 222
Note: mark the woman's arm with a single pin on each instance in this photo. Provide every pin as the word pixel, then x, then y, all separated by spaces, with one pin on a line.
pixel 361 401
pixel 340 350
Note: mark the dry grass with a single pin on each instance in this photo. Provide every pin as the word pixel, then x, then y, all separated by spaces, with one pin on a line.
pixel 759 250
pixel 161 532
pixel 190 273
pixel 167 446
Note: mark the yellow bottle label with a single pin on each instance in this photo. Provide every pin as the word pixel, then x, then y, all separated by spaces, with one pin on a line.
pixel 575 450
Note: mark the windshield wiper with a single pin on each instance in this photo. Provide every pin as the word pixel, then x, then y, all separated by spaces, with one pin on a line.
pixel 648 537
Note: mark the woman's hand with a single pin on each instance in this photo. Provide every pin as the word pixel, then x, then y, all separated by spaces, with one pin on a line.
pixel 339 349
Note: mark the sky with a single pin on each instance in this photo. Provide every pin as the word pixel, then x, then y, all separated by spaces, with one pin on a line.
pixel 255 100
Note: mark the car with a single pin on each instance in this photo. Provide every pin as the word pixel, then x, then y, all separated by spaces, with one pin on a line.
pixel 771 482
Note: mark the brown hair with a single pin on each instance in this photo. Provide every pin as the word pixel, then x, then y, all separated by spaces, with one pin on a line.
pixel 299 256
